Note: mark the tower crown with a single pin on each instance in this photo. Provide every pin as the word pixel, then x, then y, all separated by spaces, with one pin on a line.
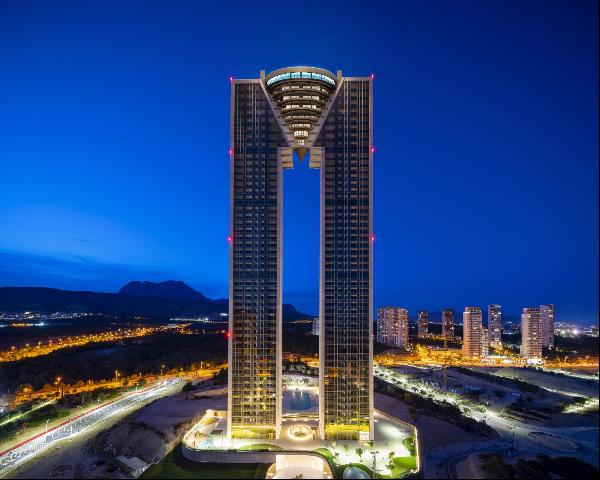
pixel 301 96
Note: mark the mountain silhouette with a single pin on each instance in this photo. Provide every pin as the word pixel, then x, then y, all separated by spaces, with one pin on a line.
pixel 171 290
pixel 150 299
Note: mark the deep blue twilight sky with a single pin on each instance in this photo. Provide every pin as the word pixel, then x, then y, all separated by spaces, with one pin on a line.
pixel 114 139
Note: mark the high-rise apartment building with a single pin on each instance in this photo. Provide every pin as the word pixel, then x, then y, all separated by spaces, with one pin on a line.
pixel 531 333
pixel 448 323
pixel 547 314
pixel 423 324
pixel 392 326
pixel 472 333
pixel 315 326
pixel 495 325
pixel 300 111
pixel 485 342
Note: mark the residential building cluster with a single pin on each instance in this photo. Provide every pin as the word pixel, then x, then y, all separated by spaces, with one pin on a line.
pixel 537 329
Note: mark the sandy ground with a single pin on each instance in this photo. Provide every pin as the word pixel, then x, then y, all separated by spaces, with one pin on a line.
pixel 148 433
pixel 470 467
pixel 573 386
pixel 432 431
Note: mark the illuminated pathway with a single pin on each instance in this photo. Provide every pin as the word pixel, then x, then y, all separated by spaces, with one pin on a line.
pixel 528 437
pixel 28 449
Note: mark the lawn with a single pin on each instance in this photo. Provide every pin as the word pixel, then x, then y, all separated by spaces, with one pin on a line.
pixel 175 465
pixel 401 464
pixel 260 447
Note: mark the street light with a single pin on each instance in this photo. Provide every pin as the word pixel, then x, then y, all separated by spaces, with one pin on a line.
pixel 57 383
pixel 375 463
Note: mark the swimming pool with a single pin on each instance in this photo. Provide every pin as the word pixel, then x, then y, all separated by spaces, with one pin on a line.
pixel 300 401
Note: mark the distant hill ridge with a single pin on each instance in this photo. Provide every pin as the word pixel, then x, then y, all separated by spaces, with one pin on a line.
pixel 171 289
pixel 152 299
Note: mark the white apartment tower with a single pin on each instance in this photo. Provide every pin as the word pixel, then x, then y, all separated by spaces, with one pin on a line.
pixel 392 326
pixel 531 333
pixel 472 333
pixel 547 314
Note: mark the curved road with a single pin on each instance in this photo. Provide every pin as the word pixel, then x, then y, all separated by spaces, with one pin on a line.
pixel 28 449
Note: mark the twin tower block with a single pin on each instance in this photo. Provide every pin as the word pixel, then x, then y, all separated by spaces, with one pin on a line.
pixel 307 111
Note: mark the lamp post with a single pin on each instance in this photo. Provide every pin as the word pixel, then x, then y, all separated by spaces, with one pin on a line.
pixel 57 383
pixel 375 463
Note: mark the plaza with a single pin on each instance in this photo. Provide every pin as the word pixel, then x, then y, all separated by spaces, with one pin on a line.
pixel 299 449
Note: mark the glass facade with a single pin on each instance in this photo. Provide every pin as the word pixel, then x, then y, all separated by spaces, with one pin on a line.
pixel 255 266
pixel 301 109
pixel 346 259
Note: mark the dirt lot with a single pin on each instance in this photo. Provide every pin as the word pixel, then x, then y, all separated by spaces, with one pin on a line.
pixel 433 432
pixel 148 433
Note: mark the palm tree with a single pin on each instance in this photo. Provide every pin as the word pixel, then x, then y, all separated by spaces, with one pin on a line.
pixel 359 451
pixel 391 464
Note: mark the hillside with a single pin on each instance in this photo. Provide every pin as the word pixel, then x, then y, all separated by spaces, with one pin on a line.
pixel 164 299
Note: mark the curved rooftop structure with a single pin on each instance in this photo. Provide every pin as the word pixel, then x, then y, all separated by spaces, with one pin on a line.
pixel 301 95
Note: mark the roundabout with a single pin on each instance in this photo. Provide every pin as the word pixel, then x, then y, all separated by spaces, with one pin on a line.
pixel 300 432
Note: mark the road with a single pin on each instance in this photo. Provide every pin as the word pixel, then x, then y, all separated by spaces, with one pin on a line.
pixel 441 462
pixel 29 448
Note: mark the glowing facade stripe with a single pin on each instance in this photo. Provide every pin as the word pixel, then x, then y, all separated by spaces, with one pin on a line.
pixel 300 75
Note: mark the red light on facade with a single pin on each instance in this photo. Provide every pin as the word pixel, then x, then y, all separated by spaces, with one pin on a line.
pixel 227 334
pixel 372 76
pixel 372 238
pixel 230 152
pixel 230 239
pixel 372 149
pixel 231 79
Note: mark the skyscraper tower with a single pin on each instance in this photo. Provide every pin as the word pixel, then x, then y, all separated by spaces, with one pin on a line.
pixel 547 314
pixel 495 325
pixel 423 324
pixel 531 334
pixel 300 111
pixel 448 323
pixel 472 333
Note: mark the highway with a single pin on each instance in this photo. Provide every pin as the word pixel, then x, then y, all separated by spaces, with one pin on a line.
pixel 28 449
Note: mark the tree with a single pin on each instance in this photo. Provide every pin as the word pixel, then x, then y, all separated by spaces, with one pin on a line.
pixel 188 387
pixel 359 451
pixel 25 389
pixel 391 456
